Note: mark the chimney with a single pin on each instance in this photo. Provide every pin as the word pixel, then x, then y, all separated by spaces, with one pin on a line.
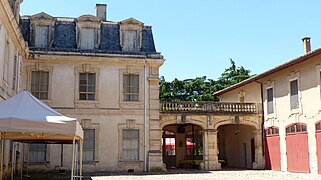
pixel 306 44
pixel 101 11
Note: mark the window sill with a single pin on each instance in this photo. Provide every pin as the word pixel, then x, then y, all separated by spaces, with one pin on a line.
pixel 86 104
pixel 131 104
pixel 37 163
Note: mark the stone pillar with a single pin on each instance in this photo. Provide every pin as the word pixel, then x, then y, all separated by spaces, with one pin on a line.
pixel 211 150
pixel 259 162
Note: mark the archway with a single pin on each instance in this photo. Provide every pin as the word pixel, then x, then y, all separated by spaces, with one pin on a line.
pixel 236 146
pixel 182 146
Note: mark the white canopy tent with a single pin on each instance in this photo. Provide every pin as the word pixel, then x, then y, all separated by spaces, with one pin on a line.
pixel 25 118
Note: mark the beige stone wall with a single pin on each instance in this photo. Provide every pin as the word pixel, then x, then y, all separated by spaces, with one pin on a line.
pixel 108 114
pixel 250 92
pixel 308 75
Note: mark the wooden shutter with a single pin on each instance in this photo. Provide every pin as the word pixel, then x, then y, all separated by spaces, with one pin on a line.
pixel 270 108
pixel 41 37
pixel 294 93
pixel 87 38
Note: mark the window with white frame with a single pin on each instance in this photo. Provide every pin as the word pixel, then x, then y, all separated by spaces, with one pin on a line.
pixel 270 105
pixel 37 152
pixel 131 87
pixel 87 86
pixel 40 84
pixel 89 145
pixel 87 38
pixel 41 35
pixel 294 94
pixel 130 145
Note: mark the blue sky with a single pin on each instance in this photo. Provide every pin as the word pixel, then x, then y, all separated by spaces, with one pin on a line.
pixel 197 38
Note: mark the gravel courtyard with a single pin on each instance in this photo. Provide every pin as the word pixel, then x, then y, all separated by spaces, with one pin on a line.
pixel 221 175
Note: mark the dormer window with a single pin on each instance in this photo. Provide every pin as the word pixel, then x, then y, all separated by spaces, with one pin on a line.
pixel 41 35
pixel 131 35
pixel 87 38
pixel 88 29
pixel 42 30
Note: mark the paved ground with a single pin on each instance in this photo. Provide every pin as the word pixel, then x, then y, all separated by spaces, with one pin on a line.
pixel 213 175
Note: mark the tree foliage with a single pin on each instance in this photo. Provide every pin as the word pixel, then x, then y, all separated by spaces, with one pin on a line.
pixel 201 88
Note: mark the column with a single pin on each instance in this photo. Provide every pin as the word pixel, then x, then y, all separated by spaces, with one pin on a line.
pixel 259 158
pixel 211 150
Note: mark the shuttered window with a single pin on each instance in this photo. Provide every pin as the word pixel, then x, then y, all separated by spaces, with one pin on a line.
pixel 87 38
pixel 87 86
pixel 130 144
pixel 131 87
pixel 130 41
pixel 270 107
pixel 37 152
pixel 40 84
pixel 41 36
pixel 14 77
pixel 89 145
pixel 6 61
pixel 294 94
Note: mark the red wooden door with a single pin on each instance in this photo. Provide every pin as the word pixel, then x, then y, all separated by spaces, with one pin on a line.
pixel 318 142
pixel 273 154
pixel 297 152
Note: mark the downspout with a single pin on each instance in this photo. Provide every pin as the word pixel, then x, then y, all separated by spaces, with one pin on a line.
pixel 262 107
pixel 145 121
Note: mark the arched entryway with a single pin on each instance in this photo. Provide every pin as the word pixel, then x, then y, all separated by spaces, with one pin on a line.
pixel 182 146
pixel 236 146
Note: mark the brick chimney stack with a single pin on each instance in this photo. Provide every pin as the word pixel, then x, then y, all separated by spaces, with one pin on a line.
pixel 101 12
pixel 306 44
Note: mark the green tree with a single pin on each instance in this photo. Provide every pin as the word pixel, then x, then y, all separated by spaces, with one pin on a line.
pixel 201 88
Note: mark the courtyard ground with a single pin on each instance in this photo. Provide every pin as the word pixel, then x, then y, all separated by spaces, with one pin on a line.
pixel 213 175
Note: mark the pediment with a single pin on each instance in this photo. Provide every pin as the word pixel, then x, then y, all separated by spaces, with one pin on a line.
pixel 131 21
pixel 42 16
pixel 87 18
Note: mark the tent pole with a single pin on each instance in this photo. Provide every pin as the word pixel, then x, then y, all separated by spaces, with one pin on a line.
pixel 80 158
pixel 73 159
pixel 1 157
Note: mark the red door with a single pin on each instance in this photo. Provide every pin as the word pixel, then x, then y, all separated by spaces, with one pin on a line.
pixel 272 149
pixel 318 142
pixel 297 148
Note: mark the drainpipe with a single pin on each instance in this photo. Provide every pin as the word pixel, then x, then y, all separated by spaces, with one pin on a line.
pixel 262 106
pixel 145 121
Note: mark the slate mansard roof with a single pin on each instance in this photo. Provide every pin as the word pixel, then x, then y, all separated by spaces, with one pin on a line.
pixel 64 37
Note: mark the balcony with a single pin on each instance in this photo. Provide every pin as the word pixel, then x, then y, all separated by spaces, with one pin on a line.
pixel 210 107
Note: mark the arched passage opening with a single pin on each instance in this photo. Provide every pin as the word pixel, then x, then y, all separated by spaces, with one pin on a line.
pixel 236 146
pixel 182 146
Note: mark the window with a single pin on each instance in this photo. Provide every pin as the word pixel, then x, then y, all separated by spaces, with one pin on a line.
pixel 130 38
pixel 294 94
pixel 37 152
pixel 40 84
pixel 297 127
pixel 6 61
pixel 89 145
pixel 168 143
pixel 131 87
pixel 87 82
pixel 270 107
pixel 41 36
pixel 14 77
pixel 130 144
pixel 87 38
pixel 318 126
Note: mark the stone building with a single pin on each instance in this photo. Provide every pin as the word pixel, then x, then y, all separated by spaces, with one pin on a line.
pixel 290 94
pixel 13 52
pixel 106 75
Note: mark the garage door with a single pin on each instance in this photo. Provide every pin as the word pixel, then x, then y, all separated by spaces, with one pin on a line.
pixel 297 148
pixel 318 139
pixel 272 148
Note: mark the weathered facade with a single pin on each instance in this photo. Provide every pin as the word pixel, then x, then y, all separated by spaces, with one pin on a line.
pixel 13 52
pixel 106 75
pixel 291 99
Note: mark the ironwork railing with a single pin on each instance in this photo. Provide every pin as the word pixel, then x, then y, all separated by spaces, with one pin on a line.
pixel 210 107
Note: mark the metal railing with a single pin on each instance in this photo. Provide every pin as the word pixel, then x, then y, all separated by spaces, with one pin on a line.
pixel 210 107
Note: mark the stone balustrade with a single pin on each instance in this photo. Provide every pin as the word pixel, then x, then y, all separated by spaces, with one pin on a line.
pixel 210 107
